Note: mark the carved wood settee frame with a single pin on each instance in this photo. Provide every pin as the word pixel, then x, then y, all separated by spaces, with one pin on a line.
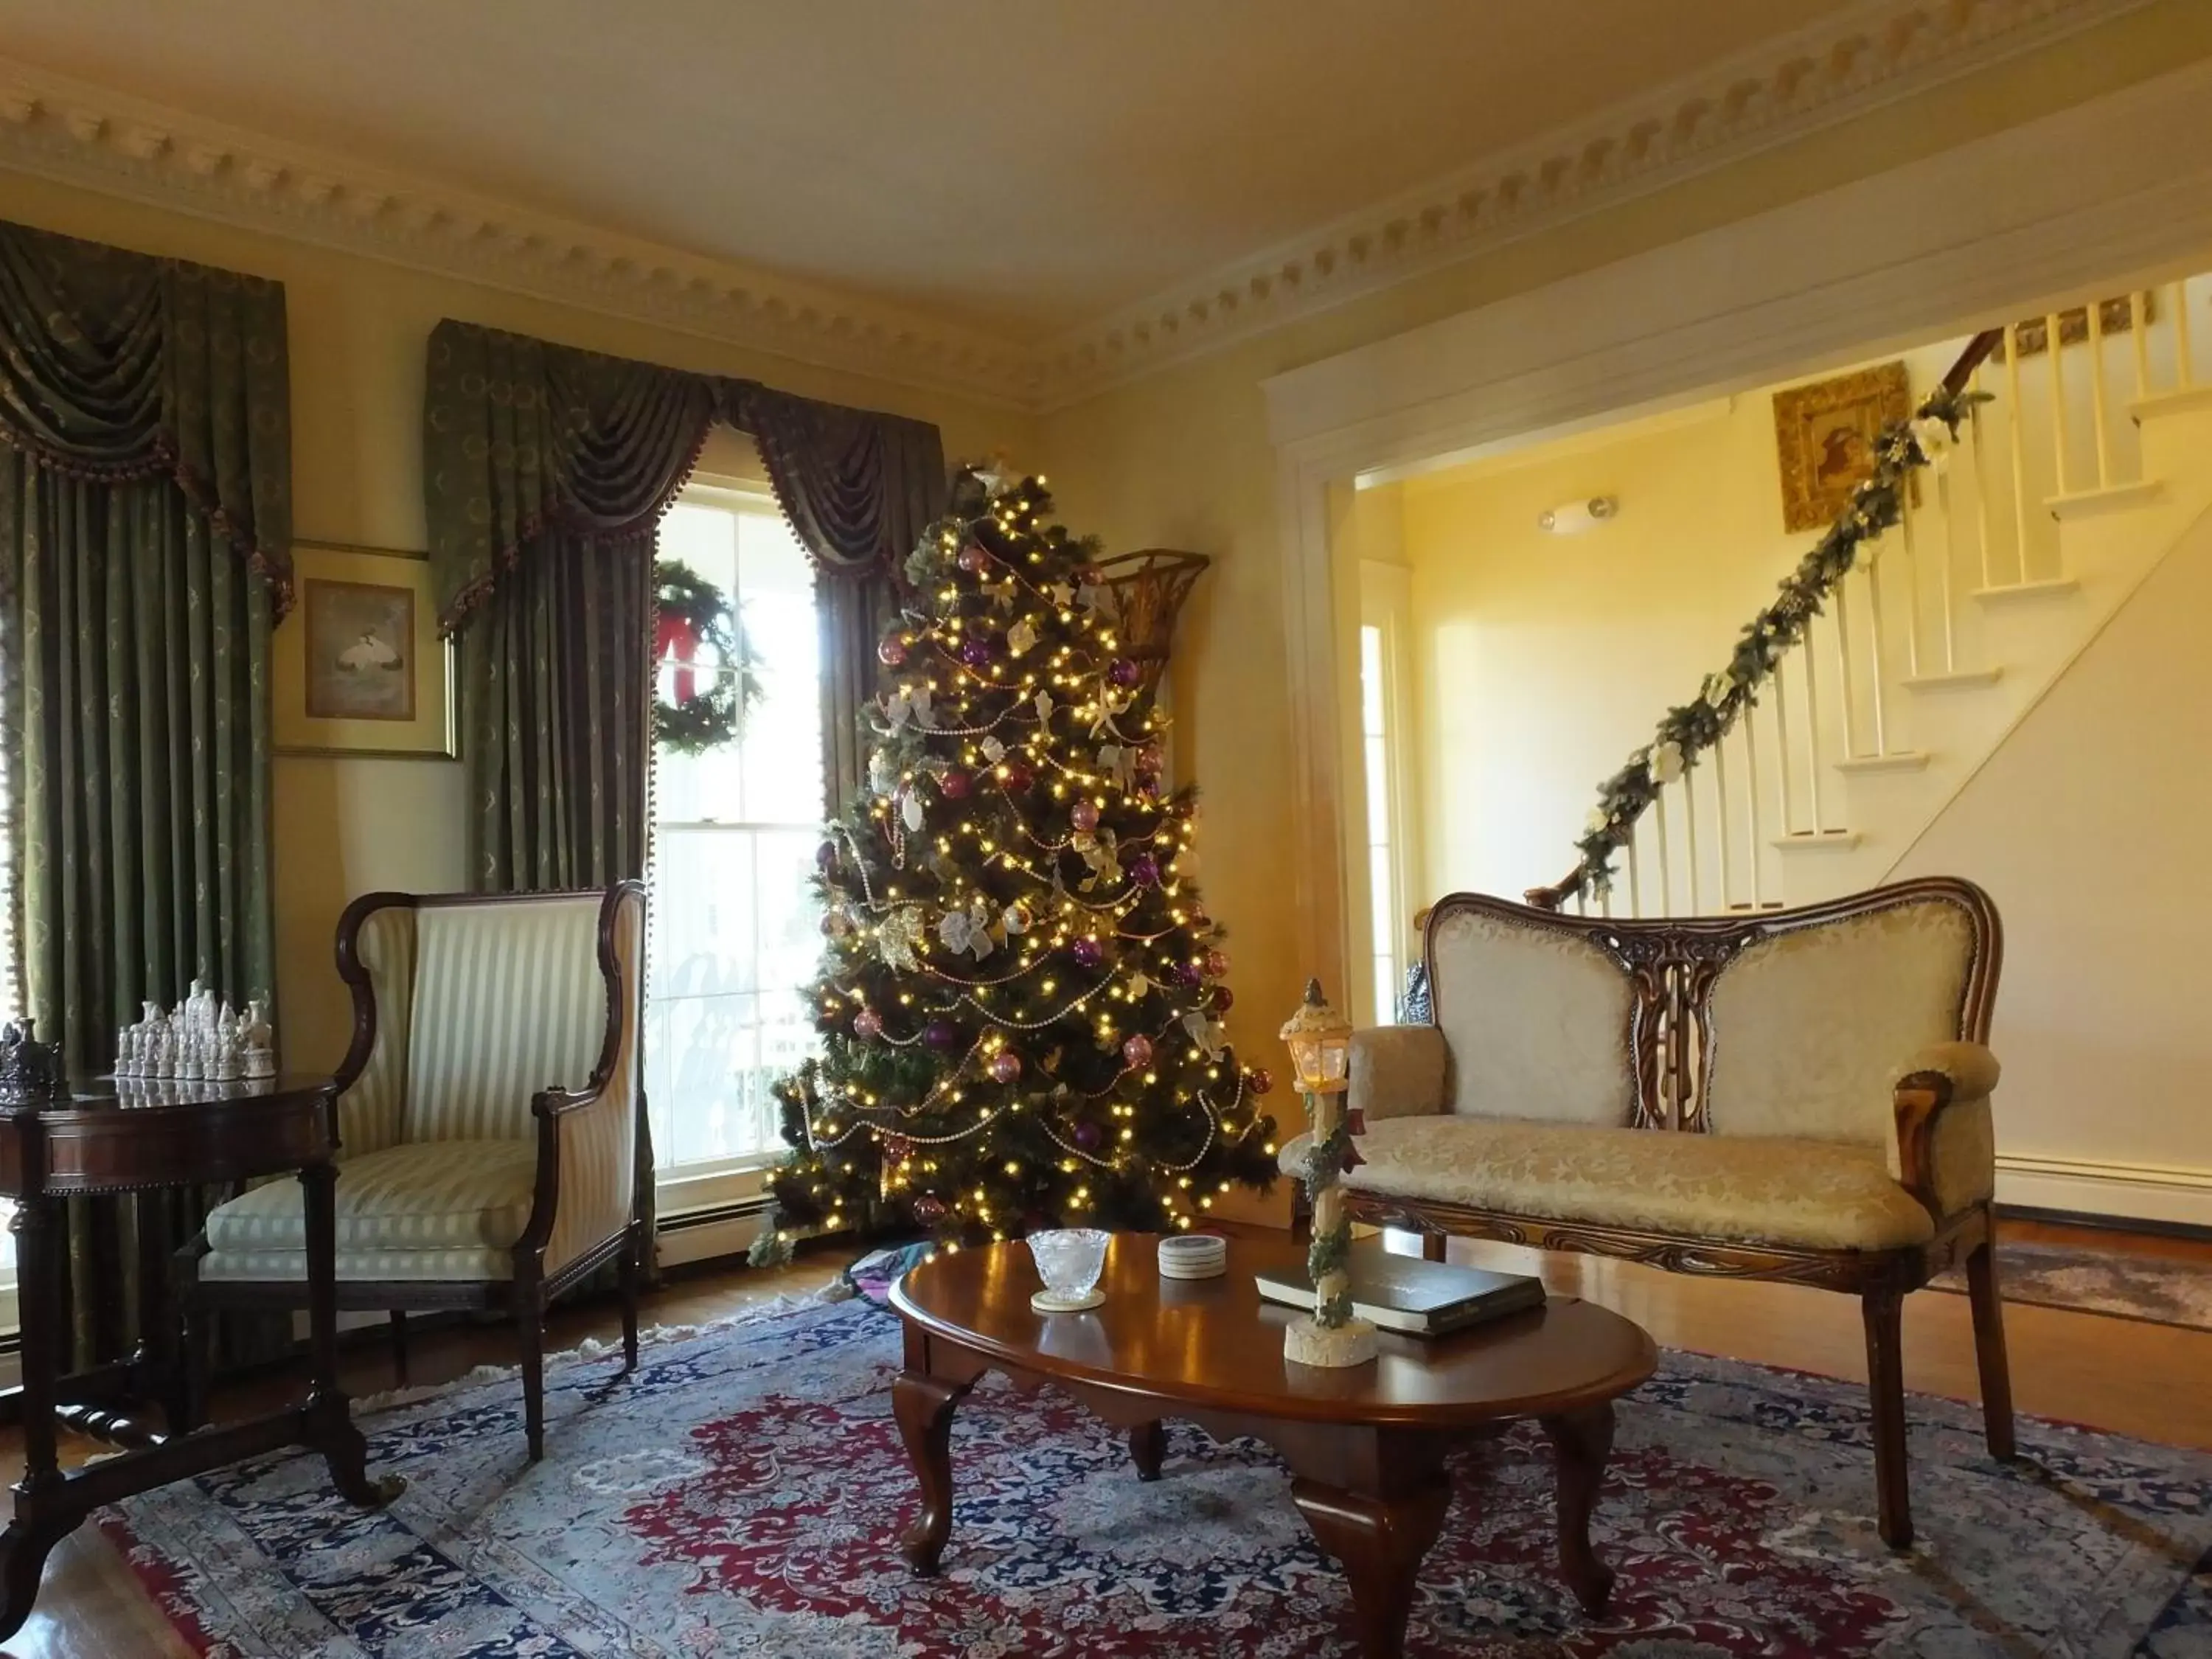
pixel 1672 965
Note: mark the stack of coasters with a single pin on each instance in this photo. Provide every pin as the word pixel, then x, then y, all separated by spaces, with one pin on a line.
pixel 1193 1256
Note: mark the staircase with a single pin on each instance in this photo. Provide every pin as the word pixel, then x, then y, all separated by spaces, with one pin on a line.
pixel 2090 460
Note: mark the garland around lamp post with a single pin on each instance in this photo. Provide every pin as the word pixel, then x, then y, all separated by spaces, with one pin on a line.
pixel 1320 1041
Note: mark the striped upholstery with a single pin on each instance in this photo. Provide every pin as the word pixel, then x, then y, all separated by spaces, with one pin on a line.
pixel 479 1005
pixel 509 999
pixel 599 1143
pixel 370 1113
pixel 429 1196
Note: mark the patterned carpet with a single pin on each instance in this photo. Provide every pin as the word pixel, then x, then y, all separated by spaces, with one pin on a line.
pixel 740 1495
pixel 2163 1290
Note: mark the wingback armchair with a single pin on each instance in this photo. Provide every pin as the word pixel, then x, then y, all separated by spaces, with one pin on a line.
pixel 488 1116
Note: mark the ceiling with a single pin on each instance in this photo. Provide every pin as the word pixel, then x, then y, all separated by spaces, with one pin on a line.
pixel 1023 166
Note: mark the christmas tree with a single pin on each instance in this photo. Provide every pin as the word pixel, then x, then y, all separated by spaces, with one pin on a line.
pixel 1021 993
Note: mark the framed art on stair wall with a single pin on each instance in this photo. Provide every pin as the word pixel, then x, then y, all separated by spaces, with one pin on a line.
pixel 358 668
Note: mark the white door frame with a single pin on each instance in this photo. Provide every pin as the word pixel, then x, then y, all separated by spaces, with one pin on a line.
pixel 2113 192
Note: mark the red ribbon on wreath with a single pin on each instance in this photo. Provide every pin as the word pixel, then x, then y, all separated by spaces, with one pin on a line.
pixel 677 639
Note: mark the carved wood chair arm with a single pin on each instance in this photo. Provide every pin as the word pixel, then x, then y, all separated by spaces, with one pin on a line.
pixel 1934 1081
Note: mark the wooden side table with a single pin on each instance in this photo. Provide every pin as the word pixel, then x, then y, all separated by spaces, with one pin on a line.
pixel 105 1138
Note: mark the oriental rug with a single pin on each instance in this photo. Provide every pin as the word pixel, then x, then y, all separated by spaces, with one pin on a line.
pixel 742 1495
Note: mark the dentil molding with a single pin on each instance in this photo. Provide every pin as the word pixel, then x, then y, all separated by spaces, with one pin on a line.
pixel 1853 59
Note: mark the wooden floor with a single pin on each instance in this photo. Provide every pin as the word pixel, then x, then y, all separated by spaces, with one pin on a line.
pixel 2124 1375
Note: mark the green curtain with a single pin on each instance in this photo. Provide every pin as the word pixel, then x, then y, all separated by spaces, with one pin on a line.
pixel 145 524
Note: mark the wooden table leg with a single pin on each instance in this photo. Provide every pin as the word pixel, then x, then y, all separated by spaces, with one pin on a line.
pixel 328 1424
pixel 1381 1542
pixel 43 1516
pixel 924 1406
pixel 1148 1448
pixel 1584 1441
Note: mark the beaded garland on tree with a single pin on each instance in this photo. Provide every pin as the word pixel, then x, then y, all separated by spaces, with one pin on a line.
pixel 1021 993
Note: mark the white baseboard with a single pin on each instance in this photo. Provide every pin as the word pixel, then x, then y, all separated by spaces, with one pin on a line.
pixel 730 1236
pixel 2141 1192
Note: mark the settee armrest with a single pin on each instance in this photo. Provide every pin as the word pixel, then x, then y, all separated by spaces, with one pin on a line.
pixel 1398 1071
pixel 1946 1149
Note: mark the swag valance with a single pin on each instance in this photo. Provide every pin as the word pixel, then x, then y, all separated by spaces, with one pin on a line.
pixel 523 438
pixel 116 368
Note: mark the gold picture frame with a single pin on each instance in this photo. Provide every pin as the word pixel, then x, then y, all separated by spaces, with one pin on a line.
pixel 358 669
pixel 1825 432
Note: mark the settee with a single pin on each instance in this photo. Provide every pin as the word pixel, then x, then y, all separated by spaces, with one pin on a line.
pixel 1795 1095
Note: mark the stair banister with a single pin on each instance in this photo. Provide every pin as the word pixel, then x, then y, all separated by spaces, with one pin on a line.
pixel 1688 732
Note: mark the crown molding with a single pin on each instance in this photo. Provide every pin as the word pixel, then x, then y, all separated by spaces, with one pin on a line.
pixel 1869 53
pixel 1852 60
pixel 89 137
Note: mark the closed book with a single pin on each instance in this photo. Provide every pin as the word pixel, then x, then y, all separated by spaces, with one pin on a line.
pixel 1420 1298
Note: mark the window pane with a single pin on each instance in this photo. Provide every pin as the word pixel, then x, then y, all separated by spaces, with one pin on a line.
pixel 736 929
pixel 1378 792
pixel 1371 681
pixel 1386 923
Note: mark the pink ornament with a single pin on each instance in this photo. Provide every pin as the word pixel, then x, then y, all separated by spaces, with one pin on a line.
pixel 1084 815
pixel 868 1025
pixel 1216 964
pixel 1137 1052
pixel 1224 1000
pixel 1150 760
pixel 974 560
pixel 1006 1066
pixel 1258 1079
pixel 928 1211
pixel 1015 777
pixel 890 650
pixel 954 785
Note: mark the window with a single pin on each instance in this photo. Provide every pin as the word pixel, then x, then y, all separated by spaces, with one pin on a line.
pixel 735 928
pixel 1382 852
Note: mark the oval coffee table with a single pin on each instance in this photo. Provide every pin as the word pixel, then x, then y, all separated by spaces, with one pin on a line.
pixel 1366 1445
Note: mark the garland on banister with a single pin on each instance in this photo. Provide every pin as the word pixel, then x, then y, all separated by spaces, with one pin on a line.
pixel 1686 733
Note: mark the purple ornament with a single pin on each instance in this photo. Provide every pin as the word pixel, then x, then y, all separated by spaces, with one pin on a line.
pixel 1006 1066
pixel 928 1211
pixel 890 650
pixel 1150 760
pixel 1084 815
pixel 1123 672
pixel 1088 952
pixel 1137 1052
pixel 1087 1136
pixel 954 785
pixel 975 652
pixel 1145 869
pixel 941 1034
pixel 1190 974
pixel 825 857
pixel 868 1025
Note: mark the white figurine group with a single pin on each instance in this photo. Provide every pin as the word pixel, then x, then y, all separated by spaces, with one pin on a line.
pixel 199 1038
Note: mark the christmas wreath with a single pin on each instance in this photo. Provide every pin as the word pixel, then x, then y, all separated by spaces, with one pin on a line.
pixel 716 677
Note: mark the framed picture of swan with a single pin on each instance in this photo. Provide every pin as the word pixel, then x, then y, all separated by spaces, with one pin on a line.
pixel 358 666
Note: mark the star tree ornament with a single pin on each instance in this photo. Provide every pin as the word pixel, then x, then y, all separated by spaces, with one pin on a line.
pixel 1019 1021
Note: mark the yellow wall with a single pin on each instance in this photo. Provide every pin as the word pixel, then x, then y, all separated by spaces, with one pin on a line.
pixel 1539 662
pixel 358 328
pixel 1182 459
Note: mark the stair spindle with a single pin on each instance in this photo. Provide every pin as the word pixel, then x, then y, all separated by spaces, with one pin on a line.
pixel 1843 666
pixel 2096 312
pixel 1811 729
pixel 2184 358
pixel 1635 880
pixel 1786 815
pixel 1666 869
pixel 1721 813
pixel 1981 486
pixel 1946 503
pixel 2058 403
pixel 1751 789
pixel 1873 650
pixel 2139 325
pixel 1690 832
pixel 1905 514
pixel 2018 457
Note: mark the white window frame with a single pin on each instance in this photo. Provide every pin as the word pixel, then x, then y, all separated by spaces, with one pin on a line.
pixel 739 1183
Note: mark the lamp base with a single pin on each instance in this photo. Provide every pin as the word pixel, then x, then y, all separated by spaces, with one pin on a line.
pixel 1305 1343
